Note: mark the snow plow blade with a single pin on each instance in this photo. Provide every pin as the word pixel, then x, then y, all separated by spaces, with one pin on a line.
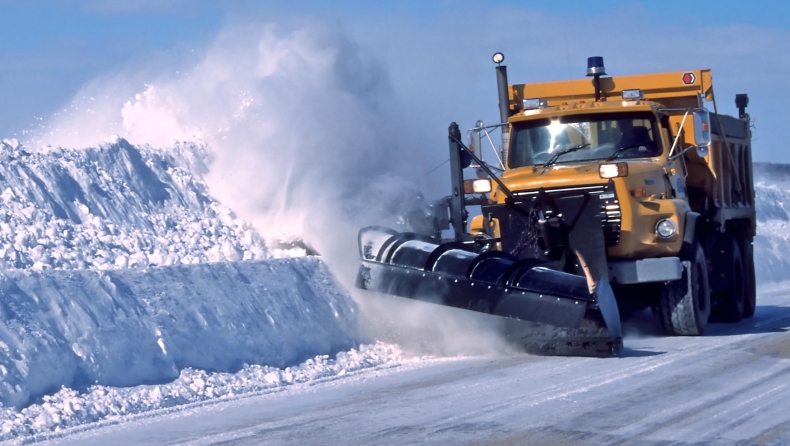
pixel 544 310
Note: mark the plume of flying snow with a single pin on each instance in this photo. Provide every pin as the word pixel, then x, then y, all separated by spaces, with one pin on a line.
pixel 305 137
pixel 301 125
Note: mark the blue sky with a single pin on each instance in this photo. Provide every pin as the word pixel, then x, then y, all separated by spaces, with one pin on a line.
pixel 49 50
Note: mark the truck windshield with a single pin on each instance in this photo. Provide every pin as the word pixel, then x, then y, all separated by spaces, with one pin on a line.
pixel 591 137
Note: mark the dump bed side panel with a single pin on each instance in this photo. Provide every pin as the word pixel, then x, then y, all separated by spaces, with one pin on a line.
pixel 725 175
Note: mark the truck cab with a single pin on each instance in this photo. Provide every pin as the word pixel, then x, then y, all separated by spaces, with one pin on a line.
pixel 673 182
pixel 609 194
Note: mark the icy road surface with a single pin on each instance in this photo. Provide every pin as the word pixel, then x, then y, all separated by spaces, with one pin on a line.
pixel 730 386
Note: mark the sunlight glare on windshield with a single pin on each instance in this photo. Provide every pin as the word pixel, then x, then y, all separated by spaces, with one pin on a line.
pixel 555 128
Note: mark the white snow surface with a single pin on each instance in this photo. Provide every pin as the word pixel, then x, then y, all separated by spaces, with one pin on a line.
pixel 118 269
pixel 133 326
pixel 772 243
pixel 729 387
pixel 114 206
pixel 68 408
pixel 128 289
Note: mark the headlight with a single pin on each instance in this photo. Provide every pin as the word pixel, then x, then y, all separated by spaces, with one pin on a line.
pixel 666 228
pixel 482 186
pixel 613 170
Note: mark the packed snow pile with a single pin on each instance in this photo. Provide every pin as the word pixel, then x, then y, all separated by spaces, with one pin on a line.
pixel 134 326
pixel 114 206
pixel 772 243
pixel 68 408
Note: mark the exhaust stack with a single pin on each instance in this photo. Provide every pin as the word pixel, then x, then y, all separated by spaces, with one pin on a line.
pixel 742 101
pixel 504 100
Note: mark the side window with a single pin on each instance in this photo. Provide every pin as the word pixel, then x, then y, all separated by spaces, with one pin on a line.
pixel 667 129
pixel 530 145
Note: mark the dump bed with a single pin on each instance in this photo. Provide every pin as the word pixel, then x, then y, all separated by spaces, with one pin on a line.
pixel 725 176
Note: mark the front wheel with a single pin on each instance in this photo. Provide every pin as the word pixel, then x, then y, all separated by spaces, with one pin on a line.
pixel 684 305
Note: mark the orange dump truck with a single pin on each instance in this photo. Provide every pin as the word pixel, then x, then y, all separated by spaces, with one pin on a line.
pixel 611 194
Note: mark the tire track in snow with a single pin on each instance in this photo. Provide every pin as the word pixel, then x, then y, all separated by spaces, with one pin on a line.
pixel 701 409
pixel 690 349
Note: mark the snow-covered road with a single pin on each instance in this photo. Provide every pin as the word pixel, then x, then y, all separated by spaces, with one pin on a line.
pixel 730 386
pixel 137 309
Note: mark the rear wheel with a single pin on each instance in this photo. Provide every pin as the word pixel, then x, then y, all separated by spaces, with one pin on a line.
pixel 750 301
pixel 684 305
pixel 731 302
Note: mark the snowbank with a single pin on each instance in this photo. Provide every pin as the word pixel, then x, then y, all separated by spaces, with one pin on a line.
pixel 114 206
pixel 772 243
pixel 68 408
pixel 134 326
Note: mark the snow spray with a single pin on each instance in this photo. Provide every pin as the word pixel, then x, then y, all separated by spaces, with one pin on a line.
pixel 306 139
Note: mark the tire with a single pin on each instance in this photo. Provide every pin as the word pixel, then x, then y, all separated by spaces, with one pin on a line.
pixel 750 302
pixel 731 302
pixel 682 313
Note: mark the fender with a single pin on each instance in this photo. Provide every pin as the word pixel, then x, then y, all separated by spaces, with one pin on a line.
pixel 689 233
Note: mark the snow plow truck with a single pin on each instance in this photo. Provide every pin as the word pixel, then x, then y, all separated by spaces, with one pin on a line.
pixel 609 195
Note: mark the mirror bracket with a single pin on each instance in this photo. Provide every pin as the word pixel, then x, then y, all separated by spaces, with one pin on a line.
pixel 702 152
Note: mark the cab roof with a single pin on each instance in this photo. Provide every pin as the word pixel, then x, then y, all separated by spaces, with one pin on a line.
pixel 583 107
pixel 674 89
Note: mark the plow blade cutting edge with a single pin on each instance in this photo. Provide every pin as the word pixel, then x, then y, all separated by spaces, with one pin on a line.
pixel 544 310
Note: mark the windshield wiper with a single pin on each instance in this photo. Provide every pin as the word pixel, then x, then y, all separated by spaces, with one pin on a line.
pixel 617 152
pixel 557 155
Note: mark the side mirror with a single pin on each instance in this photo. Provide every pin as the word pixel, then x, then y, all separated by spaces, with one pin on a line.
pixel 466 160
pixel 476 143
pixel 702 151
pixel 702 136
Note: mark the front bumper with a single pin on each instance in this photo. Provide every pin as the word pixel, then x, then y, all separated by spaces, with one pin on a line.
pixel 645 270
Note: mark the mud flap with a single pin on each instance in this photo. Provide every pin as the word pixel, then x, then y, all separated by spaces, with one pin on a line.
pixel 607 304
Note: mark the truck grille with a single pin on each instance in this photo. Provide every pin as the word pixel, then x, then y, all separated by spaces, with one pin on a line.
pixel 611 215
pixel 611 218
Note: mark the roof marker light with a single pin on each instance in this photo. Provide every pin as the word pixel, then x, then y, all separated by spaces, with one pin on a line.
pixel 533 103
pixel 633 95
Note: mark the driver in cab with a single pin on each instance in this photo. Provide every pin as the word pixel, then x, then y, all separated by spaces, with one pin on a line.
pixel 634 137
